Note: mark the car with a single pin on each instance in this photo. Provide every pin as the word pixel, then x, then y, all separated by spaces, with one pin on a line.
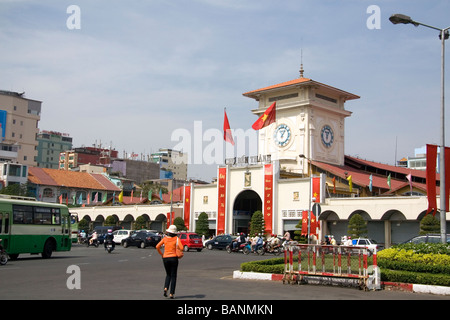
pixel 141 239
pixel 428 238
pixel 369 243
pixel 191 240
pixel 219 242
pixel 119 235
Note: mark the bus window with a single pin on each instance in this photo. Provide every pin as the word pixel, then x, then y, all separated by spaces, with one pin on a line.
pixel 56 217
pixel 22 214
pixel 6 222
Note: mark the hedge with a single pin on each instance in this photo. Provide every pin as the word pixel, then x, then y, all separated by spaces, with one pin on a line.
pixel 275 265
pixel 420 264
pixel 425 263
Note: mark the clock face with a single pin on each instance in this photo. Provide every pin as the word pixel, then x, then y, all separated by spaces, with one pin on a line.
pixel 282 135
pixel 327 136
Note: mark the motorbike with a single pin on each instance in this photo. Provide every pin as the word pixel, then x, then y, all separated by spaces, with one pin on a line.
pixel 277 250
pixel 109 246
pixel 243 247
pixel 95 242
pixel 248 248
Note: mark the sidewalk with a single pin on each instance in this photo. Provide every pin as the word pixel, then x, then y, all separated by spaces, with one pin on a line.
pixel 419 288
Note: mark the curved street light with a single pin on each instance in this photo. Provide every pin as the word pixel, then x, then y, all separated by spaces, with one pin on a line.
pixel 443 35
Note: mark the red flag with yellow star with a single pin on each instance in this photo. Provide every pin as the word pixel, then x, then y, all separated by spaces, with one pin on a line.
pixel 267 118
pixel 316 189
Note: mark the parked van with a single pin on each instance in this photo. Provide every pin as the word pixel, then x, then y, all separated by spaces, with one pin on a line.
pixel 120 235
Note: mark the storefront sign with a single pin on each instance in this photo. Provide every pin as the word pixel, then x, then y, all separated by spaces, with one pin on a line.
pixel 246 160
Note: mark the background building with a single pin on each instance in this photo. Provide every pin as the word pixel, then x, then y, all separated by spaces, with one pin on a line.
pixel 50 145
pixel 13 173
pixel 19 118
pixel 71 159
pixel 172 164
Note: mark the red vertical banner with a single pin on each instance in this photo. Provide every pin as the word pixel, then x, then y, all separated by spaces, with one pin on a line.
pixel 168 219
pixel 187 206
pixel 313 225
pixel 221 186
pixel 316 189
pixel 268 197
pixel 431 178
pixel 304 223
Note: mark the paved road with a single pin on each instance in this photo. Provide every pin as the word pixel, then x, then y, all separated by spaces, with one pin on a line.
pixel 132 274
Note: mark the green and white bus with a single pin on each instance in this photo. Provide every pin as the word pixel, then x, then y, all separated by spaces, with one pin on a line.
pixel 34 227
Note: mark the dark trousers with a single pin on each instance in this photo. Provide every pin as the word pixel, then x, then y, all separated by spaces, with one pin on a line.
pixel 171 266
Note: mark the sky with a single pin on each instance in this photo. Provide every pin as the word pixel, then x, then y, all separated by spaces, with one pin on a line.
pixel 133 74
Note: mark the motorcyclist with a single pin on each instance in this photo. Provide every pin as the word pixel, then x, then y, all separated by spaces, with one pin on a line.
pixel 82 236
pixel 269 243
pixel 258 240
pixel 109 238
pixel 238 241
pixel 93 237
pixel 275 242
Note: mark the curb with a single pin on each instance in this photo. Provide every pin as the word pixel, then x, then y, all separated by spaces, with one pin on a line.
pixel 417 288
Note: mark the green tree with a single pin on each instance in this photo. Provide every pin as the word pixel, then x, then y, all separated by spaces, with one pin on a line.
pixel 83 225
pixel 430 224
pixel 202 226
pixel 179 223
pixel 110 221
pixel 141 223
pixel 17 190
pixel 298 234
pixel 357 227
pixel 257 224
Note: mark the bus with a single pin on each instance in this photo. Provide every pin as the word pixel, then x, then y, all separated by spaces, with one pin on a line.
pixel 30 226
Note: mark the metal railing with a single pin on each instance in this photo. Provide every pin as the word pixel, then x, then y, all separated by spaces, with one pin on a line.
pixel 302 261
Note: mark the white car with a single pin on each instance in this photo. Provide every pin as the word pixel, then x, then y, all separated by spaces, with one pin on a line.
pixel 364 242
pixel 121 234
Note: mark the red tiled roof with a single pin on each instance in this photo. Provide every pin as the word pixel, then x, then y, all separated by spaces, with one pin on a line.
pixel 70 179
pixel 362 178
pixel 295 82
pixel 402 170
pixel 177 195
pixel 39 176
pixel 279 85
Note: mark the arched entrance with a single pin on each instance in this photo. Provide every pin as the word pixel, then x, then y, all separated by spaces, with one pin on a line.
pixel 245 204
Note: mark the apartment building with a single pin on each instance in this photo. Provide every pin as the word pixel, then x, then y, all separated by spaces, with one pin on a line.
pixel 19 118
pixel 50 145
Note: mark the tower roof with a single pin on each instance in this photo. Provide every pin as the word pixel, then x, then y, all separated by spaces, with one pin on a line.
pixel 297 82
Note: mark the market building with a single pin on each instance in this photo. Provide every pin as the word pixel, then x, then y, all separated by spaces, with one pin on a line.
pixel 301 162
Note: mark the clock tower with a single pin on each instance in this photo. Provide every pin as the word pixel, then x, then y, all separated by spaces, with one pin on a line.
pixel 310 121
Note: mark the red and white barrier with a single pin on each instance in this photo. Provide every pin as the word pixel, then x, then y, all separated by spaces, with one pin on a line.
pixel 332 262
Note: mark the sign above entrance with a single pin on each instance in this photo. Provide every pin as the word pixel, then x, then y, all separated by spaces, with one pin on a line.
pixel 246 160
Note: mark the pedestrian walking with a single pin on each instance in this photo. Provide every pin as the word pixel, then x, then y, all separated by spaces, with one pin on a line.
pixel 173 250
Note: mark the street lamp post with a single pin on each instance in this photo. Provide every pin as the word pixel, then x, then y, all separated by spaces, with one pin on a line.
pixel 443 35
pixel 309 195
